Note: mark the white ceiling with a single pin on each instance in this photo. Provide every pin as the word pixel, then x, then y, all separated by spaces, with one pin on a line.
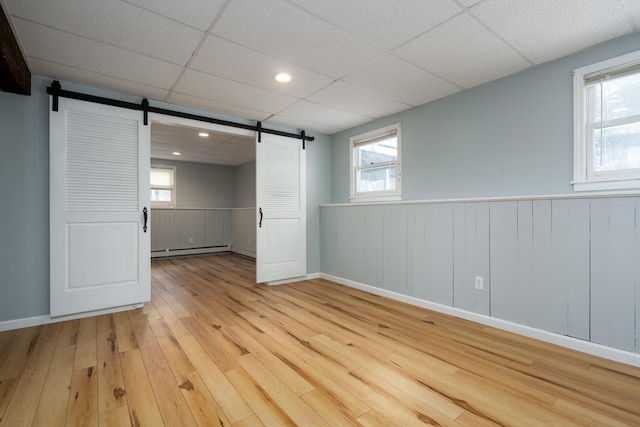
pixel 352 61
pixel 218 148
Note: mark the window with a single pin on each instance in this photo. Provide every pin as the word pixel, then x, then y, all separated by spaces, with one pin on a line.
pixel 163 186
pixel 607 125
pixel 375 165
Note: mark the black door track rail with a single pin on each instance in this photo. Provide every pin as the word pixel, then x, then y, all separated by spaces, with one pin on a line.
pixel 56 91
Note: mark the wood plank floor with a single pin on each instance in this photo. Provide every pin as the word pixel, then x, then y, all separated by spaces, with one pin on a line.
pixel 213 349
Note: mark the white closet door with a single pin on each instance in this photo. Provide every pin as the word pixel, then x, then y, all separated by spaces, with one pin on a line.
pixel 282 213
pixel 99 188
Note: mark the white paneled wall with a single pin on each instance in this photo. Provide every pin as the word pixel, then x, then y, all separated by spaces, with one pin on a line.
pixel 569 266
pixel 181 229
pixel 173 229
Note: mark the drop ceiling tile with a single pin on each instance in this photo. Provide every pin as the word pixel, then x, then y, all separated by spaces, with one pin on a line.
pixel 229 154
pixel 402 81
pixel 285 31
pixel 233 111
pixel 236 152
pixel 237 149
pixel 633 10
pixel 234 62
pixel 166 132
pixel 384 23
pixel 198 13
pixel 243 141
pixel 463 52
pixel 308 126
pixel 115 23
pixel 196 83
pixel 469 3
pixel 183 146
pixel 321 114
pixel 344 96
pixel 63 72
pixel 543 30
pixel 224 158
pixel 47 44
pixel 184 156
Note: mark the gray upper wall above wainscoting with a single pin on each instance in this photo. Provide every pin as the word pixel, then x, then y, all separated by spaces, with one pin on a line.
pixel 203 185
pixel 510 137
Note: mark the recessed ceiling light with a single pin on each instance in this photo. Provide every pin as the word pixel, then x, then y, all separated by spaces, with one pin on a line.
pixel 177 153
pixel 282 78
pixel 203 134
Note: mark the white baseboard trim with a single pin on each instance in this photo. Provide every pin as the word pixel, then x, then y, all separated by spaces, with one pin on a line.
pixel 285 281
pixel 588 347
pixel 309 276
pixel 196 251
pixel 45 320
pixel 245 252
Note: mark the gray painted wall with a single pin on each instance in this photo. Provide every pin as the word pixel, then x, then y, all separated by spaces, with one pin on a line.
pixel 24 195
pixel 24 203
pixel 318 192
pixel 510 137
pixel 245 185
pixel 203 185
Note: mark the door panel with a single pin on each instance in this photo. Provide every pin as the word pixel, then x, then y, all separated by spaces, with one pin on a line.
pixel 99 186
pixel 95 248
pixel 281 203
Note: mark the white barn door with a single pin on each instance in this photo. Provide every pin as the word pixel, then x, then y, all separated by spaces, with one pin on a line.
pixel 99 190
pixel 281 209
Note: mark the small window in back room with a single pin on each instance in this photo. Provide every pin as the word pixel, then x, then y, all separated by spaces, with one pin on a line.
pixel 607 124
pixel 375 165
pixel 163 186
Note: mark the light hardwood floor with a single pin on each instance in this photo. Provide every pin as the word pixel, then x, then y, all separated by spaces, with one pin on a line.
pixel 212 348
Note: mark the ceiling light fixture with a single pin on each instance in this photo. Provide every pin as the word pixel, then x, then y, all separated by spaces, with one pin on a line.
pixel 177 153
pixel 282 77
pixel 203 134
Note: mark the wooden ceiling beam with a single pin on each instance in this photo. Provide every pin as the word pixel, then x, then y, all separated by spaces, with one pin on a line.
pixel 15 76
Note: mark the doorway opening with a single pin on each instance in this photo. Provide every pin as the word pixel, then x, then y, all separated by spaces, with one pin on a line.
pixel 212 205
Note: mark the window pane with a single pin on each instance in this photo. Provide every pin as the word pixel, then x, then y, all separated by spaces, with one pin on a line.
pixel 161 177
pixel 376 179
pixel 617 147
pixel 380 151
pixel 160 195
pixel 621 98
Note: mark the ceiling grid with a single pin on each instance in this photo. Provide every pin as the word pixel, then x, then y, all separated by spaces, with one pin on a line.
pixel 351 62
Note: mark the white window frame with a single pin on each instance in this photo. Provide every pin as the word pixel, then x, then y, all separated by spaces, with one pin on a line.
pixel 375 196
pixel 584 177
pixel 173 202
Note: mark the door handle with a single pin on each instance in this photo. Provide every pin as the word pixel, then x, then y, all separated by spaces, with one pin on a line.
pixel 145 213
pixel 260 225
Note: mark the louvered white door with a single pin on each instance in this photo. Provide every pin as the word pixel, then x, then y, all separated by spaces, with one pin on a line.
pixel 99 187
pixel 281 202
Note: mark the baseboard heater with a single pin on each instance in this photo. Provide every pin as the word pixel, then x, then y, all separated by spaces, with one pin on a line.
pixel 165 253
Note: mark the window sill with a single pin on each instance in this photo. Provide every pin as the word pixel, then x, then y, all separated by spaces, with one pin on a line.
pixel 364 199
pixel 627 184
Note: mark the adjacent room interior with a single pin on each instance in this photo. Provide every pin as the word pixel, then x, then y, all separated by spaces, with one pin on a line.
pixel 204 199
